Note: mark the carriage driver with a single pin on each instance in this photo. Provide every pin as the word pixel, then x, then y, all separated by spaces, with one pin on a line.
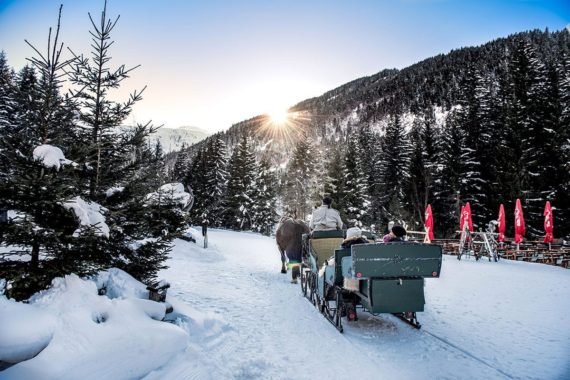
pixel 325 217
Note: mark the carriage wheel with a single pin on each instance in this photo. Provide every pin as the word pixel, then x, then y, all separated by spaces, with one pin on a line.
pixel 340 308
pixel 304 280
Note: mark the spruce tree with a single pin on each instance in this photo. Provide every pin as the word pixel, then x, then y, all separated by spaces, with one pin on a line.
pixel 420 186
pixel 216 180
pixel 208 179
pixel 181 165
pixel 335 184
pixel 36 188
pixel 392 168
pixel 264 199
pixel 116 158
pixel 448 175
pixel 238 205
pixel 563 189
pixel 194 178
pixel 7 101
pixel 355 200
pixel 299 178
pixel 473 118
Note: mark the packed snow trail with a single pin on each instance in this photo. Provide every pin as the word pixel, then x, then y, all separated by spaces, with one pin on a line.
pixel 268 330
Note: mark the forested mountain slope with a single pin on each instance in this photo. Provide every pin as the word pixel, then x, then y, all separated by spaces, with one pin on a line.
pixel 484 124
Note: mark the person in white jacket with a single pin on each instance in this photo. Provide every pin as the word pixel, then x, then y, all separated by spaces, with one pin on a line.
pixel 326 218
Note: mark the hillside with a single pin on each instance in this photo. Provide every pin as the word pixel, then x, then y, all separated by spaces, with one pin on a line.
pixel 434 83
pixel 484 125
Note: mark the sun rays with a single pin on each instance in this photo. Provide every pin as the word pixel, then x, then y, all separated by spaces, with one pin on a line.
pixel 288 127
pixel 281 126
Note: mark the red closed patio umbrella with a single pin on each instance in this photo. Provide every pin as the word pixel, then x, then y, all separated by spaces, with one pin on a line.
pixel 519 223
pixel 466 217
pixel 502 224
pixel 428 225
pixel 548 223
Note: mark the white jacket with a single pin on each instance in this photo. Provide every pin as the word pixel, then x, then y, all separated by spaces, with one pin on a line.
pixel 325 218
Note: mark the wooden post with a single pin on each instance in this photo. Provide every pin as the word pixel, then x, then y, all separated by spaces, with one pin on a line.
pixel 205 233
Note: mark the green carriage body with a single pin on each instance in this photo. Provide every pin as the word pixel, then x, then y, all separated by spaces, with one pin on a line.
pixel 390 276
pixel 380 277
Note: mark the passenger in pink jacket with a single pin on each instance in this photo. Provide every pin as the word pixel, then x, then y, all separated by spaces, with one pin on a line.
pixel 398 233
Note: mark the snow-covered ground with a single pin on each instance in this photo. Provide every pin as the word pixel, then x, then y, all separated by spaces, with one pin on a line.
pixel 237 317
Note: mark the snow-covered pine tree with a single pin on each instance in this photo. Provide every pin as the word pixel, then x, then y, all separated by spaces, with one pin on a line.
pixel 420 186
pixel 216 180
pixel 40 180
pixel 392 168
pixel 238 201
pixel 540 142
pixel 447 184
pixel 181 165
pixel 562 198
pixel 116 158
pixel 7 104
pixel 299 178
pixel 472 116
pixel 264 199
pixel 536 131
pixel 355 201
pixel 367 141
pixel 6 91
pixel 334 181
pixel 208 179
pixel 194 178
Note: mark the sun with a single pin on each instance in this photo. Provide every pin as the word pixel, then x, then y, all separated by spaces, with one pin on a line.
pixel 279 116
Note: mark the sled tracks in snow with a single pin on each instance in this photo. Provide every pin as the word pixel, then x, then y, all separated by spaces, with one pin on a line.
pixel 467 353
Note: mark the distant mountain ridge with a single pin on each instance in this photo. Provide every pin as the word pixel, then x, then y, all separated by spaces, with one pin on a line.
pixel 431 86
pixel 174 139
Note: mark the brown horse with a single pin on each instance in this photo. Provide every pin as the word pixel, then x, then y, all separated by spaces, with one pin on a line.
pixel 289 241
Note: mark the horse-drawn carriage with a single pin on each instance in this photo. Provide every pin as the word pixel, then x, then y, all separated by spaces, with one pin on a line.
pixel 375 277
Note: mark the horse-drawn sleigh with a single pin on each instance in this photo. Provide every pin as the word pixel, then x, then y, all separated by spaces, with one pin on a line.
pixel 376 277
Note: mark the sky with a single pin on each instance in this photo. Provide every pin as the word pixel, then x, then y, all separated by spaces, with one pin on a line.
pixel 214 63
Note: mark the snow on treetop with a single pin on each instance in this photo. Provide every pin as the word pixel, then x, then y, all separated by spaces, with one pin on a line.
pixel 51 156
pixel 89 214
pixel 114 190
pixel 169 194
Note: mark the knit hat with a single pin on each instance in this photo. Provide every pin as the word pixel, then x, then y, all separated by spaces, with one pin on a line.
pixel 353 233
pixel 399 231
pixel 327 200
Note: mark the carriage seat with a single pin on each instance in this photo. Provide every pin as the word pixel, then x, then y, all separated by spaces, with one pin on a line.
pixel 324 243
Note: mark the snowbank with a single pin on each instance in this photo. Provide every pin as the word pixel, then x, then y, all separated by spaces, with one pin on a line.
pixel 92 336
pixel 25 330
pixel 120 284
pixel 89 214
pixel 196 235
pixel 50 156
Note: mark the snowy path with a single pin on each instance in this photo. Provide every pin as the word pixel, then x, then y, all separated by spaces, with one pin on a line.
pixel 501 320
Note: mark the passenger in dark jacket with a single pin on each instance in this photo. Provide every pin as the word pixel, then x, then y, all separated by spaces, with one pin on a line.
pixel 353 236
